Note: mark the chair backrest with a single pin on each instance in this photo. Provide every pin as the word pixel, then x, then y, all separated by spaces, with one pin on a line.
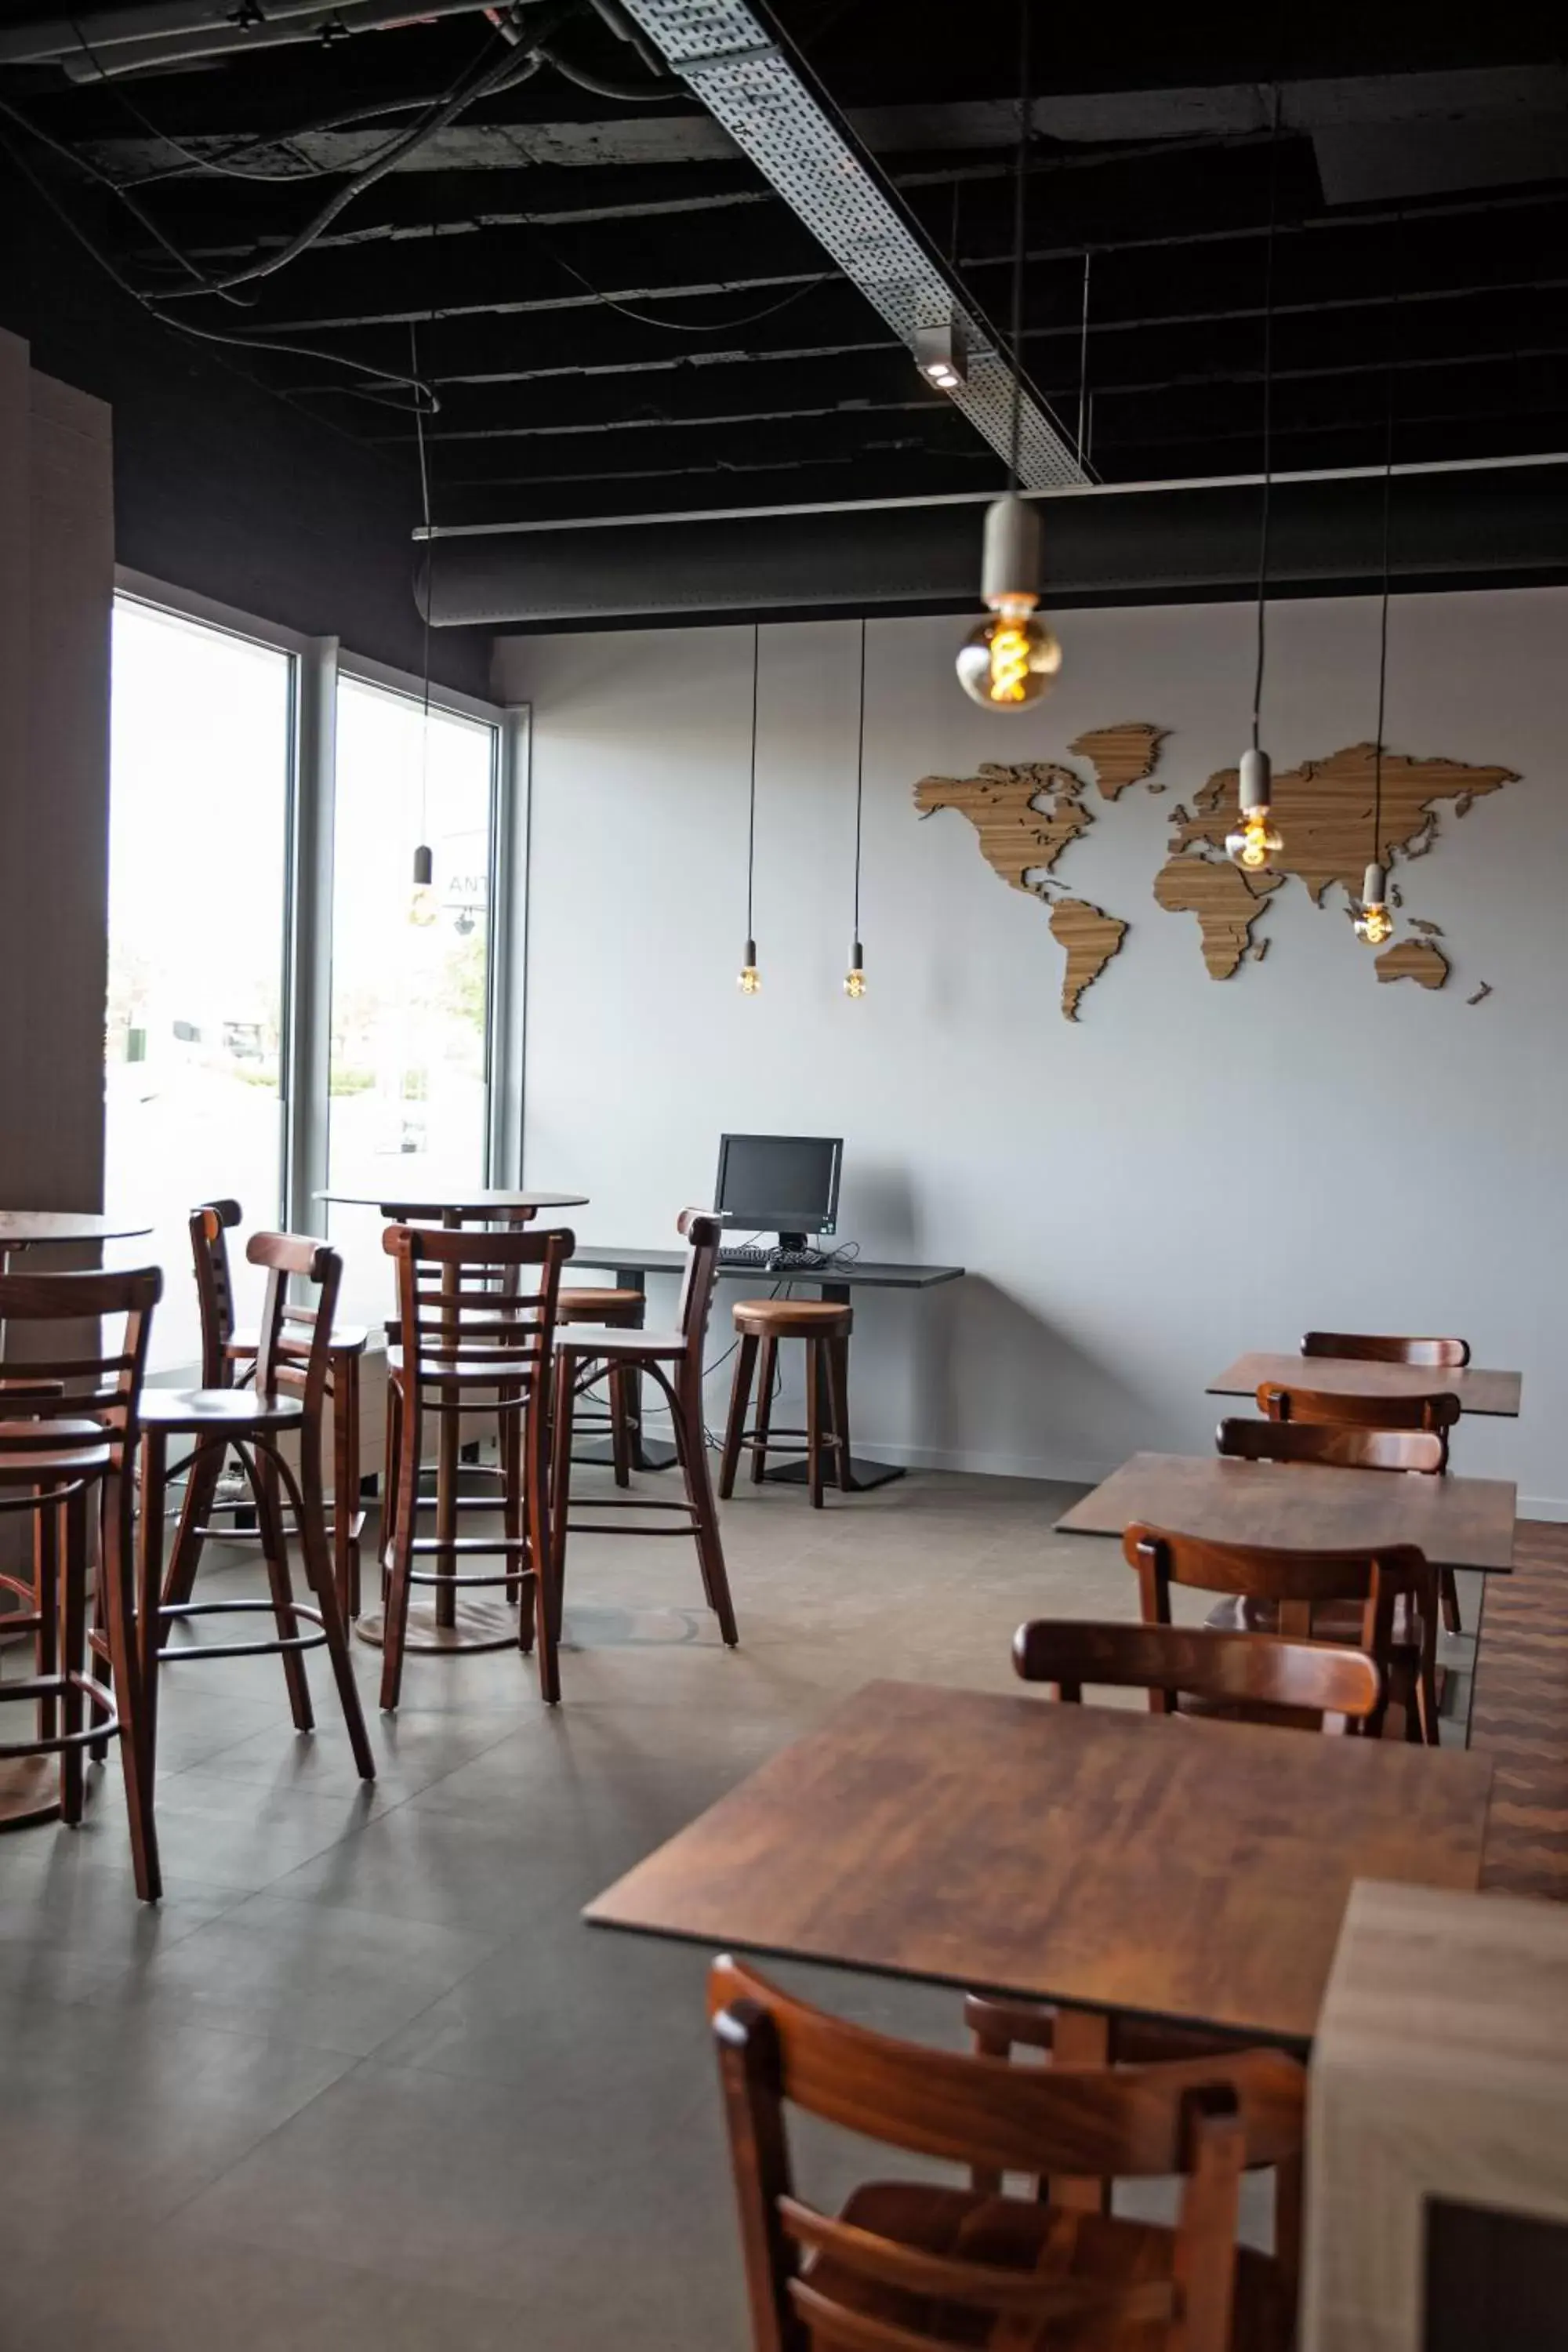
pixel 1244 1675
pixel 1204 2118
pixel 293 1354
pixel 1387 1348
pixel 80 1376
pixel 210 1226
pixel 1436 1410
pixel 1332 1444
pixel 1299 1581
pixel 460 1295
pixel 703 1232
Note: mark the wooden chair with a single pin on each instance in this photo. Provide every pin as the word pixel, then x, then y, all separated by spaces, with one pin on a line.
pixel 1340 1448
pixel 912 2266
pixel 68 1442
pixel 1375 1348
pixel 229 1355
pixel 609 1309
pixel 673 1360
pixel 1436 1413
pixel 286 1401
pixel 471 1341
pixel 826 1327
pixel 1253 1677
pixel 1297 1588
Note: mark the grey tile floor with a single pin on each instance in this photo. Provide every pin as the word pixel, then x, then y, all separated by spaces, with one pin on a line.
pixel 364 2078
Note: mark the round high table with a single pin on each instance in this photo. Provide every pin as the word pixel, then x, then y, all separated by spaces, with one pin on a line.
pixel 26 1781
pixel 445 1622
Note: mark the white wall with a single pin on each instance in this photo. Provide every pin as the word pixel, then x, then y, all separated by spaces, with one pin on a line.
pixel 1192 1168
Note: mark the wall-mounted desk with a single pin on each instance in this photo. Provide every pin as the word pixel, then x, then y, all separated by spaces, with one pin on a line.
pixel 631 1268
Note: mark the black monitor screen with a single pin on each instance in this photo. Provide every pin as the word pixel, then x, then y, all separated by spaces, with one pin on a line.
pixel 779 1183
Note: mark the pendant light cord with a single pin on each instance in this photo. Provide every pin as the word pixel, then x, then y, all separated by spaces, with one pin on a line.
pixel 752 812
pixel 1268 419
pixel 859 779
pixel 1020 188
pixel 1390 380
pixel 429 579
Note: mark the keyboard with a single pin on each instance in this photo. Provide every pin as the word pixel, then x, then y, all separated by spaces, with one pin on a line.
pixel 753 1257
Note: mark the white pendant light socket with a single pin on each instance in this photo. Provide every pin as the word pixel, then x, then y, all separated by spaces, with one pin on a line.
pixel 1373 886
pixel 1257 776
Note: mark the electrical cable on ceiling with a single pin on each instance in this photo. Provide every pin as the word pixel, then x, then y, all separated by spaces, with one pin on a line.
pixel 859 778
pixel 429 585
pixel 1393 379
pixel 1083 366
pixel 1020 187
pixel 1265 516
pixel 751 814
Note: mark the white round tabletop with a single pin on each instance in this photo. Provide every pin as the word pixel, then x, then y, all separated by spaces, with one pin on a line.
pixel 24 1228
pixel 479 1200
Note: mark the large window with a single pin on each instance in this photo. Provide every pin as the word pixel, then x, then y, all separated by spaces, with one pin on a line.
pixel 201 763
pixel 408 1093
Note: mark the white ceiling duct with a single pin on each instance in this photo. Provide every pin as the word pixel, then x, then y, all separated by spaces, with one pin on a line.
pixel 728 56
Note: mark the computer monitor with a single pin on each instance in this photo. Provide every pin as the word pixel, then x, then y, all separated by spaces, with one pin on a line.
pixel 786 1185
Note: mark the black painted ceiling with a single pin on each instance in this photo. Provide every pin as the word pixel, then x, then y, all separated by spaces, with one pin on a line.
pixel 619 317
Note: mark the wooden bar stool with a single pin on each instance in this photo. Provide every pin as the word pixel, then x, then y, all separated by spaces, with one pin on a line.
pixel 472 1342
pixel 229 1356
pixel 287 1401
pixel 610 1310
pixel 825 1329
pixel 68 1441
pixel 673 1360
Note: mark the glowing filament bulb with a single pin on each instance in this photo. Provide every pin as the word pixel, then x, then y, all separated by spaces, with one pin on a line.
pixel 1254 838
pixel 1012 658
pixel 751 979
pixel 1373 923
pixel 854 978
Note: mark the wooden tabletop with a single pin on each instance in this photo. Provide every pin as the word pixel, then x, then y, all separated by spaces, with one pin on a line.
pixel 23 1228
pixel 1478 1390
pixel 1101 1856
pixel 1457 1522
pixel 482 1201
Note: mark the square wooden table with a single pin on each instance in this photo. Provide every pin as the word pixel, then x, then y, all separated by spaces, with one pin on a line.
pixel 1159 1866
pixel 1478 1390
pixel 1304 1505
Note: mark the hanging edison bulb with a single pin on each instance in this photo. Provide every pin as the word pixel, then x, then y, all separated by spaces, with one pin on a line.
pixel 1256 838
pixel 1012 660
pixel 854 978
pixel 750 980
pixel 1373 923
pixel 423 904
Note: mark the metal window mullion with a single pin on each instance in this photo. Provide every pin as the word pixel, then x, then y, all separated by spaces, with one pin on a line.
pixel 309 975
pixel 506 1039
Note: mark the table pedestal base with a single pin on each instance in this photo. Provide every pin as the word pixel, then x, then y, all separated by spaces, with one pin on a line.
pixel 863 1472
pixel 29 1791
pixel 481 1625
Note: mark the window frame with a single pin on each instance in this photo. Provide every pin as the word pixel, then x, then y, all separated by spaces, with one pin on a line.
pixel 305 949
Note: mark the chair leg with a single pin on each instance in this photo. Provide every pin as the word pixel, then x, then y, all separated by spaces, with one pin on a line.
pixel 392 1464
pixel 1452 1621
pixel 201 1476
pixel 135 1680
pixel 705 1506
pixel 559 1511
pixel 814 1422
pixel 262 1469
pixel 47 1567
pixel 765 1373
pixel 739 1398
pixel 620 1424
pixel 71 1645
pixel 311 1517
pixel 345 1479
pixel 836 1353
pixel 545 1543
pixel 399 1557
pixel 514 1512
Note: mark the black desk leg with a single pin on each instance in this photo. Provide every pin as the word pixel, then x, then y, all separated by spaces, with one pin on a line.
pixel 650 1454
pixel 863 1472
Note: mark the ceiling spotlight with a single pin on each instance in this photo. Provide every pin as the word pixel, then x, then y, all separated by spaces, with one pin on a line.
pixel 940 357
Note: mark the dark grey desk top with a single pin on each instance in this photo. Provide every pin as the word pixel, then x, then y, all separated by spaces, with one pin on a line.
pixel 862 1273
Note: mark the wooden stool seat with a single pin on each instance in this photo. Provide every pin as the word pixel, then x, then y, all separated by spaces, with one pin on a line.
pixel 347 1339
pixel 209 1412
pixel 601 1306
pixel 825 1326
pixel 794 1318
pixel 32 1452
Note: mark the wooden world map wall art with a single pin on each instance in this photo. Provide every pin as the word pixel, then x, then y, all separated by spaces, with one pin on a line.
pixel 1027 816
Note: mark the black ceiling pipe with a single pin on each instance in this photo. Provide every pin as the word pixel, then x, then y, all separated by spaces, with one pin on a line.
pixel 1472 527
